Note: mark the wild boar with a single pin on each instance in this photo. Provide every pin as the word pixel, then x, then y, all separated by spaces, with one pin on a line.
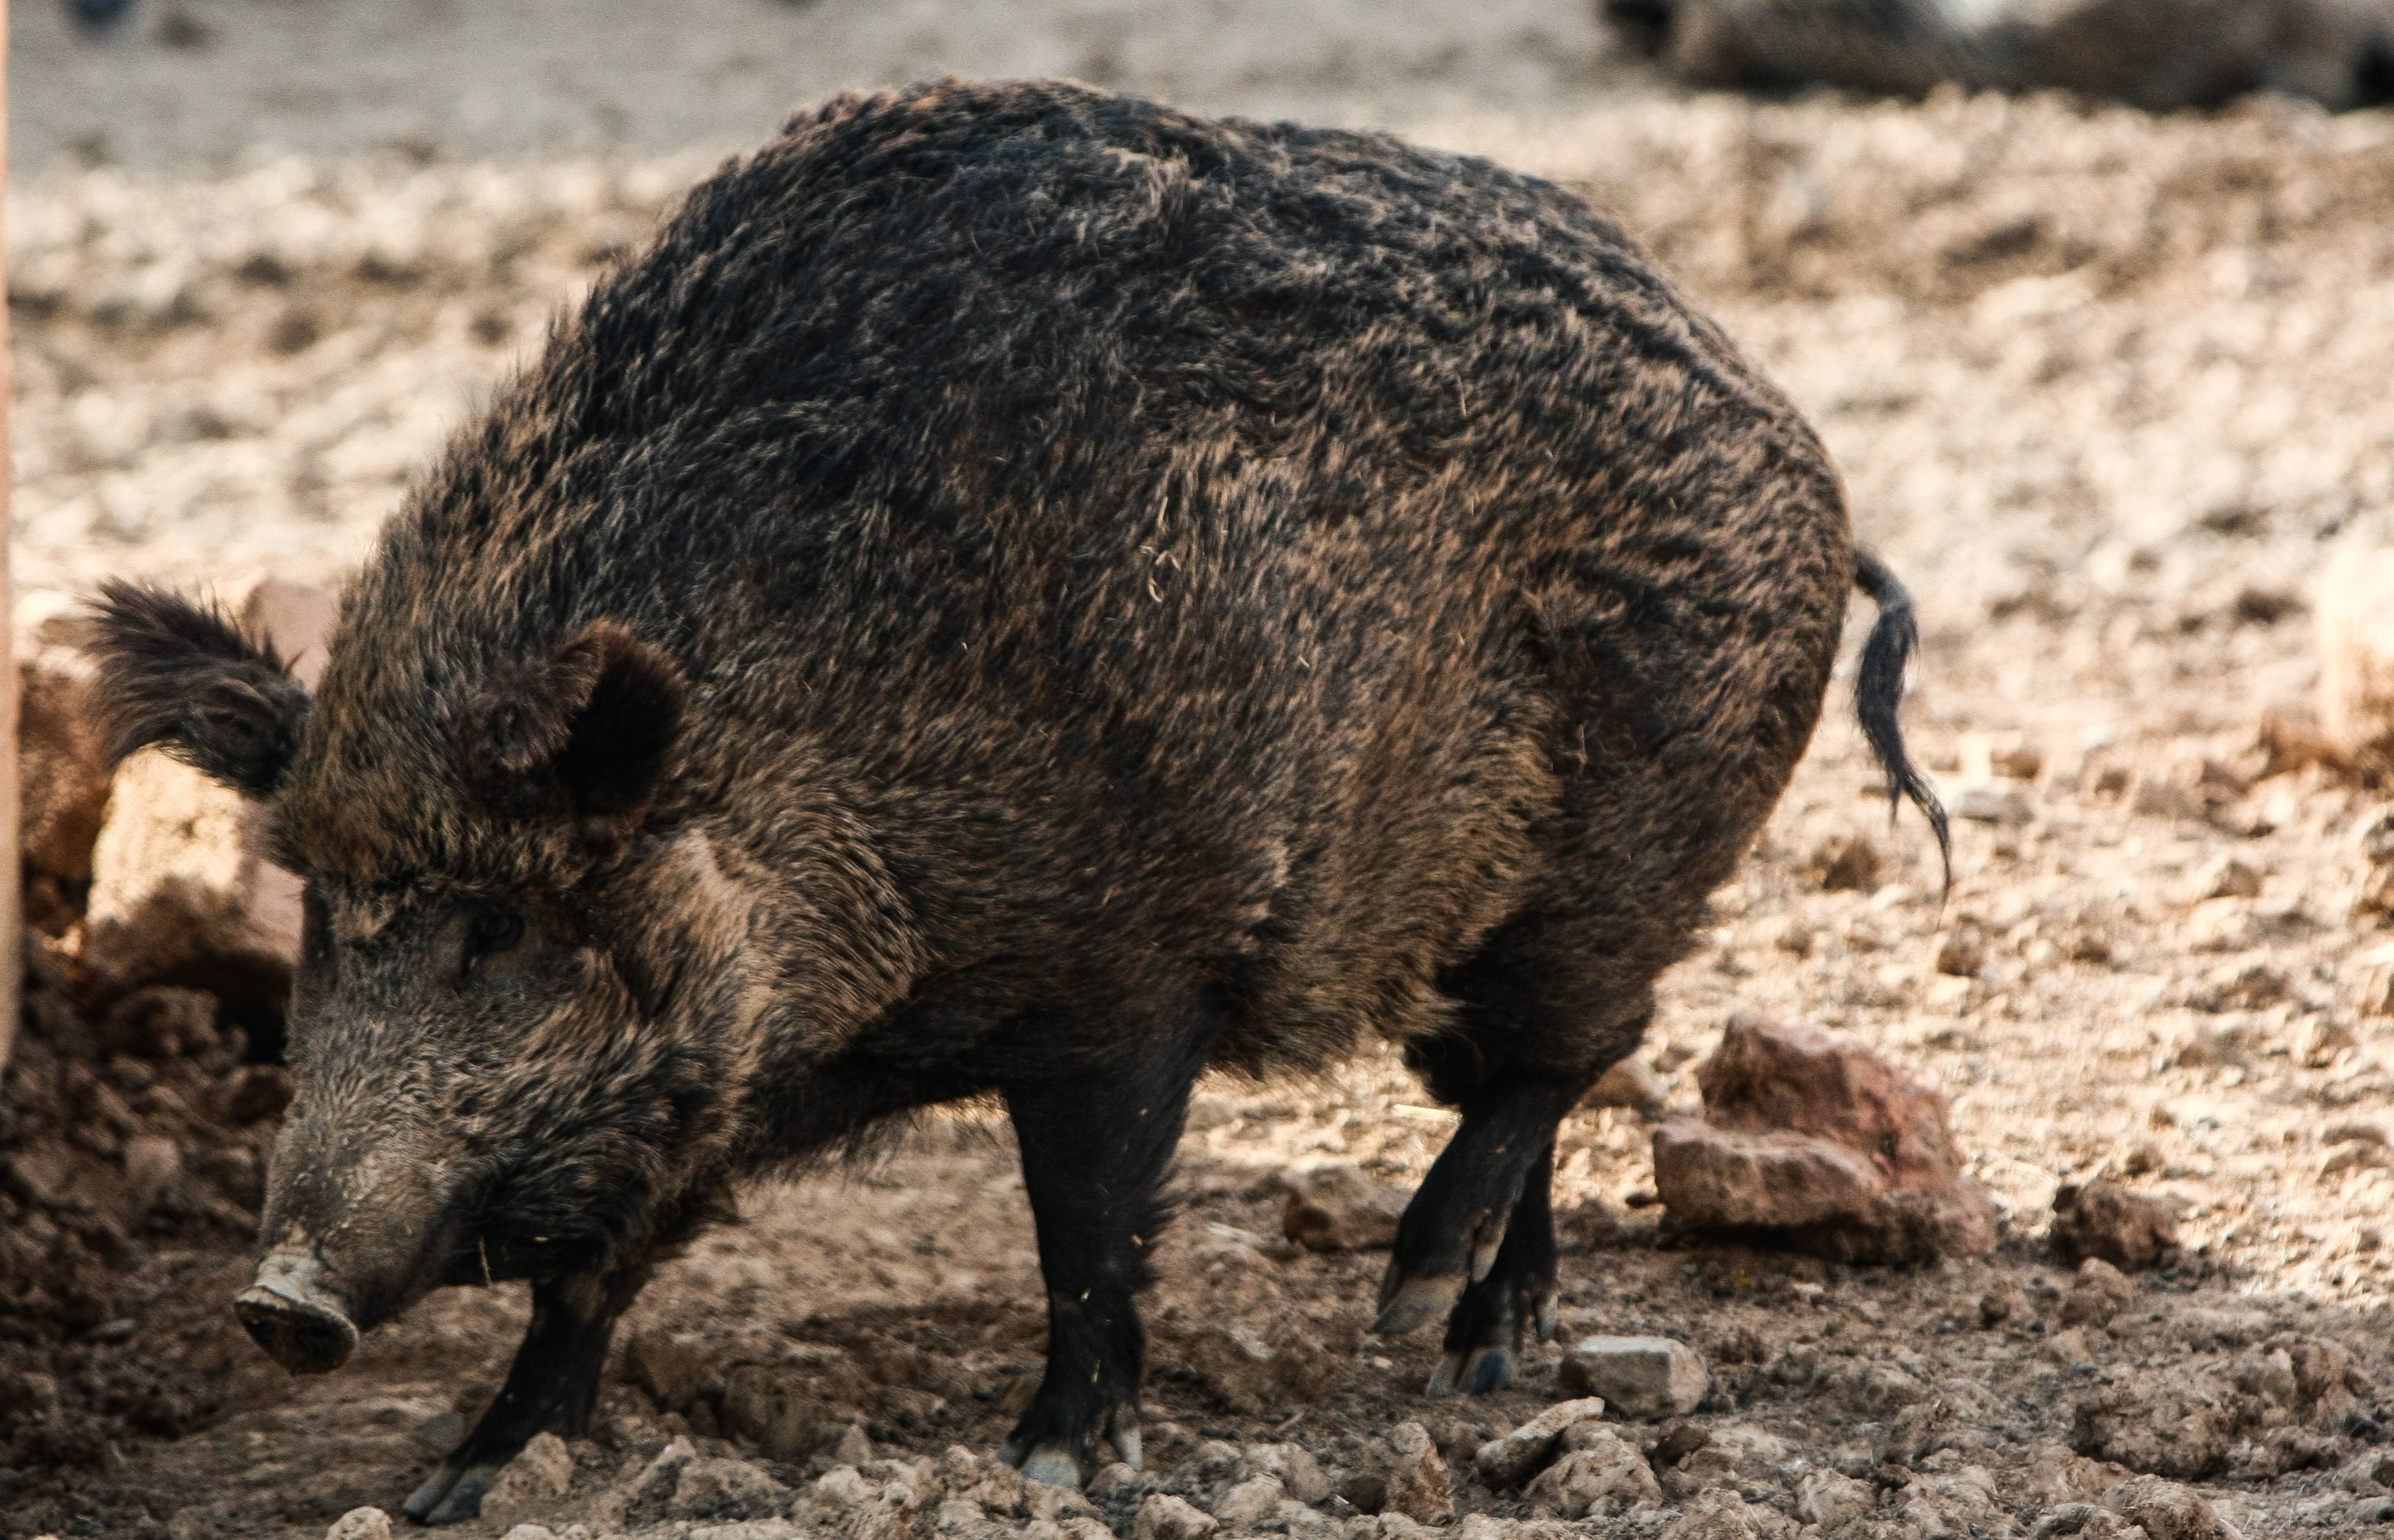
pixel 1018 592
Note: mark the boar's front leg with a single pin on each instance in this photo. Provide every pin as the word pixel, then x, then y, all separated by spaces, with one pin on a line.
pixel 1095 1148
pixel 553 1384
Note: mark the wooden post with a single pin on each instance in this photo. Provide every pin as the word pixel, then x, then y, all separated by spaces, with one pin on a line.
pixel 12 886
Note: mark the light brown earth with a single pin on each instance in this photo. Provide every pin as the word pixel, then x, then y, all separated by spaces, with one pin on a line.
pixel 2110 392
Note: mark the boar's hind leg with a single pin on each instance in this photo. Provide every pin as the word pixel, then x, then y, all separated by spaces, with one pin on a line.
pixel 1095 1148
pixel 1476 1242
pixel 554 1384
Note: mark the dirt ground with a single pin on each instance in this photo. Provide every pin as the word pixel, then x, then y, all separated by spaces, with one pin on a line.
pixel 2109 391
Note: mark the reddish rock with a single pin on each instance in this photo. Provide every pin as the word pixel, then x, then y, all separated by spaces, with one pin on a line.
pixel 1840 1150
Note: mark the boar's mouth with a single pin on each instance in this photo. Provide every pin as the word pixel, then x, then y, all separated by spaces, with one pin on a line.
pixel 300 1322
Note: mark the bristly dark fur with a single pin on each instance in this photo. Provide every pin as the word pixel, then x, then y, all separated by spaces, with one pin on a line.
pixel 181 674
pixel 1878 691
pixel 1117 594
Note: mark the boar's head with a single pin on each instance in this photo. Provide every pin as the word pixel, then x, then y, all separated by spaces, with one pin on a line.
pixel 506 950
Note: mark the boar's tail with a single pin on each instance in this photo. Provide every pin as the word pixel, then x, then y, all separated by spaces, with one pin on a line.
pixel 1879 688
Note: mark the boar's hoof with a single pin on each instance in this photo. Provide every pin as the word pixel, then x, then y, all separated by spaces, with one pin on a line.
pixel 1052 1465
pixel 1409 1303
pixel 1126 1438
pixel 306 1337
pixel 1483 1370
pixel 449 1495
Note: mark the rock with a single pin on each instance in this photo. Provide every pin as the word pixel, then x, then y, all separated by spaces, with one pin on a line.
pixel 2131 1231
pixel 1247 1503
pixel 2000 802
pixel 1962 952
pixel 1419 1486
pixel 2255 984
pixel 1162 1517
pixel 1385 1526
pixel 1722 1515
pixel 1291 1464
pixel 1251 1378
pixel 1646 1378
pixel 1845 863
pixel 2154 1421
pixel 1510 1460
pixel 1631 1085
pixel 1337 1207
pixel 62 780
pixel 850 1446
pixel 361 1523
pixel 1834 1147
pixel 542 1473
pixel 1603 1477
pixel 1734 1457
pixel 2164 796
pixel 2166 1510
pixel 2319 1041
pixel 530 1531
pixel 726 1489
pixel 671 1366
pixel 2099 1292
pixel 2054 1475
pixel 179 897
pixel 153 1171
pixel 2354 629
pixel 1115 1479
pixel 1825 1498
pixel 778 1408
pixel 2226 878
pixel 1949 1506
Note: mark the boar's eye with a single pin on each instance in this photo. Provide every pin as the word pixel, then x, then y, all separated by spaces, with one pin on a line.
pixel 315 925
pixel 491 930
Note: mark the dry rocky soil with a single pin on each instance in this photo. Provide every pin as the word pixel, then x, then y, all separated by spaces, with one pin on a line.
pixel 2112 393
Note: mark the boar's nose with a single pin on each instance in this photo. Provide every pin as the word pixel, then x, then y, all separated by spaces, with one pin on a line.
pixel 290 1315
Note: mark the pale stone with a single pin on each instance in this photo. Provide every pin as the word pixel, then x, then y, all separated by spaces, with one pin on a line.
pixel 1638 1376
pixel 361 1523
pixel 1162 1517
pixel 1604 1477
pixel 1419 1486
pixel 1292 1464
pixel 1828 1499
pixel 1245 1504
pixel 1509 1460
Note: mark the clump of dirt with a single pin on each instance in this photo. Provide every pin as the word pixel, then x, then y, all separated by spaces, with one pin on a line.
pixel 133 1142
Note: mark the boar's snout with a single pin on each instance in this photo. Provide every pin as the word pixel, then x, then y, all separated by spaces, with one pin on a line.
pixel 290 1315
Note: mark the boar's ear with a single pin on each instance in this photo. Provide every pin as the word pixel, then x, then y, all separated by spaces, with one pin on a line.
pixel 600 719
pixel 180 674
